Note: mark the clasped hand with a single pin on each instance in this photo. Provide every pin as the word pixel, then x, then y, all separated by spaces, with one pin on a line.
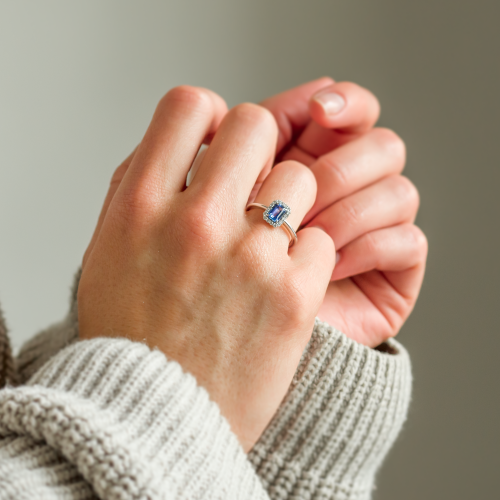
pixel 190 272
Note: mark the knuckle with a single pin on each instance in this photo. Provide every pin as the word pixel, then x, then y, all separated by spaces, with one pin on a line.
pixel 200 225
pixel 293 166
pixel 292 173
pixel 372 244
pixel 254 115
pixel 391 142
pixel 406 190
pixel 186 97
pixel 352 212
pixel 135 206
pixel 336 170
pixel 118 175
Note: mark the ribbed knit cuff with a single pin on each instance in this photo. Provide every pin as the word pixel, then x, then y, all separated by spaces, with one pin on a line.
pixel 7 364
pixel 345 407
pixel 132 423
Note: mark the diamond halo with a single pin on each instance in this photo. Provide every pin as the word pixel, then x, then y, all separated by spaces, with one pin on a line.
pixel 276 213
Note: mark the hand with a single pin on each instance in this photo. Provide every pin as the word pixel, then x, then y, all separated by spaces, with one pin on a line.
pixel 363 203
pixel 190 272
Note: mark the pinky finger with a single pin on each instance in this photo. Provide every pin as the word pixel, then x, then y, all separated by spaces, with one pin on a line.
pixel 391 250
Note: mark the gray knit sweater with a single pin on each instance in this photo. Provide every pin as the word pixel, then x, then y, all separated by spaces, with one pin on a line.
pixel 112 419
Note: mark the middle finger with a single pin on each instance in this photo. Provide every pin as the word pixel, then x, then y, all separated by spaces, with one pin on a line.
pixel 243 146
pixel 355 165
pixel 391 201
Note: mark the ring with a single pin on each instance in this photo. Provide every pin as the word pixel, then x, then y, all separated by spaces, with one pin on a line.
pixel 275 215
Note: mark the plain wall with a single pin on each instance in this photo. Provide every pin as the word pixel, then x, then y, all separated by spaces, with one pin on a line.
pixel 80 80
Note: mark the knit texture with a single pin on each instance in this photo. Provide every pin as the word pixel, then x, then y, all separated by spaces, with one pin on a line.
pixel 132 424
pixel 143 427
pixel 345 407
pixel 7 365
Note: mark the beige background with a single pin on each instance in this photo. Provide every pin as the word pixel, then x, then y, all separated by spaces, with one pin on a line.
pixel 79 82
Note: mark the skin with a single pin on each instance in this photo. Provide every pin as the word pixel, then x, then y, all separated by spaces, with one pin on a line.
pixel 159 248
pixel 364 203
pixel 189 272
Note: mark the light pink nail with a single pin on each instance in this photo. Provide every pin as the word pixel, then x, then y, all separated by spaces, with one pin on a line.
pixel 331 102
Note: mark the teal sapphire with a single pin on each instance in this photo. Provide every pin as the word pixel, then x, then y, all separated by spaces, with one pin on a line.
pixel 276 213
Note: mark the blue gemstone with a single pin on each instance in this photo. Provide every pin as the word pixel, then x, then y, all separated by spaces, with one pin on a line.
pixel 277 212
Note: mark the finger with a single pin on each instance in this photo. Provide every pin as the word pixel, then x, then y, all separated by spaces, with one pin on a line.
pixel 389 202
pixel 113 186
pixel 183 119
pixel 313 259
pixel 292 183
pixel 346 107
pixel 242 147
pixel 396 301
pixel 353 166
pixel 395 249
pixel 291 109
pixel 357 111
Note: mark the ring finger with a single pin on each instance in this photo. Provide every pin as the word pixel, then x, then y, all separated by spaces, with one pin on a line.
pixel 391 201
pixel 292 183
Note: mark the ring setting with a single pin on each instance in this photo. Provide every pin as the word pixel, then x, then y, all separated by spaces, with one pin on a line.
pixel 275 215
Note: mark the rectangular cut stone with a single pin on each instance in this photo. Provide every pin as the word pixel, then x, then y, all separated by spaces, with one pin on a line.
pixel 277 212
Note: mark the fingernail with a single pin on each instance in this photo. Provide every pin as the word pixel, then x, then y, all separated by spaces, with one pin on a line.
pixel 337 257
pixel 331 102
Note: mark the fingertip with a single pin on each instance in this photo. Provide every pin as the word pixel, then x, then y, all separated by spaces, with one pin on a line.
pixel 346 106
pixel 326 105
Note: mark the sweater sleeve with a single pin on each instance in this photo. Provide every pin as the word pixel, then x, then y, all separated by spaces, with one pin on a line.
pixel 112 418
pixel 344 409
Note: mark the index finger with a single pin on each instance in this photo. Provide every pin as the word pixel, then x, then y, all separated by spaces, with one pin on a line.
pixel 291 109
pixel 346 107
pixel 340 112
